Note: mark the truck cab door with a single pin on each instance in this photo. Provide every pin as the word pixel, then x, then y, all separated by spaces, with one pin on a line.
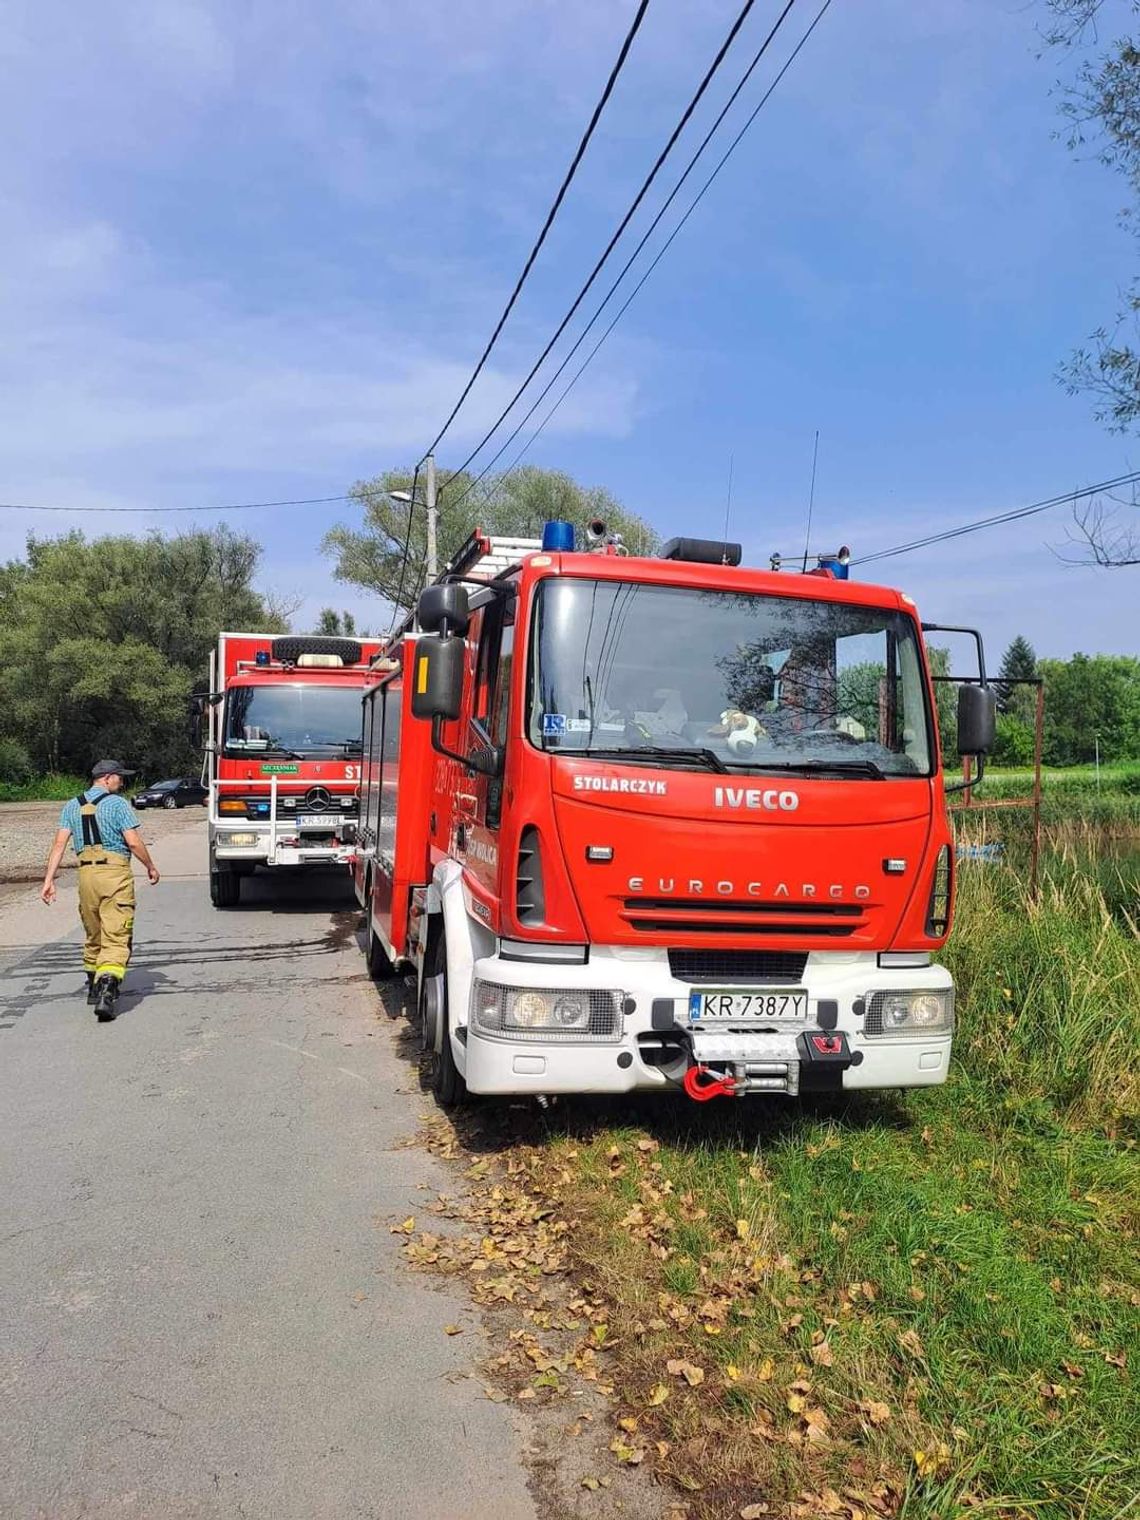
pixel 479 805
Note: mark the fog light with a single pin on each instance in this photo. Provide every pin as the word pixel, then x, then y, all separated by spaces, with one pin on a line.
pixel 572 1012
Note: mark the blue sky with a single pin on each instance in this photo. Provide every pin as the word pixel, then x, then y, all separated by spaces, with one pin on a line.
pixel 252 251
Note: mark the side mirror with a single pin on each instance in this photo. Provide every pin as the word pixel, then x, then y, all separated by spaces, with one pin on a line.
pixel 437 675
pixel 444 609
pixel 977 720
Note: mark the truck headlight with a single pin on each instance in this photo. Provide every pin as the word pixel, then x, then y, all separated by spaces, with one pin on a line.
pixel 920 1012
pixel 235 841
pixel 519 1013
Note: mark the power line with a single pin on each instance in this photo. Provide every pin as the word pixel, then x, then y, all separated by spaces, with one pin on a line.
pixel 622 225
pixel 1002 517
pixel 230 506
pixel 661 252
pixel 550 215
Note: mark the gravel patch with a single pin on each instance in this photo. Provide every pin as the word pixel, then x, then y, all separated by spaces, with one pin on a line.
pixel 27 830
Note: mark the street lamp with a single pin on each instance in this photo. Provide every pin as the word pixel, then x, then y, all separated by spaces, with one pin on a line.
pixel 431 563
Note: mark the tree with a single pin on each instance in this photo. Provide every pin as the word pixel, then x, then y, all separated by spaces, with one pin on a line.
pixel 946 700
pixel 1101 106
pixel 1091 701
pixel 331 621
pixel 101 642
pixel 1019 663
pixel 514 504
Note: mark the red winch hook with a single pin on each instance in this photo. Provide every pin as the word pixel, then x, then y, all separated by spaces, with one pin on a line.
pixel 702 1083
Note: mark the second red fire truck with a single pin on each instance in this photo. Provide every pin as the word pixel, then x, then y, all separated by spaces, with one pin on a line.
pixel 662 823
pixel 283 754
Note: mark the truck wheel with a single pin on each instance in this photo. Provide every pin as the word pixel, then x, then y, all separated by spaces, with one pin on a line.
pixel 225 889
pixel 443 1074
pixel 380 968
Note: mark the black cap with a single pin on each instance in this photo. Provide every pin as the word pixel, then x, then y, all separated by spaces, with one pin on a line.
pixel 111 768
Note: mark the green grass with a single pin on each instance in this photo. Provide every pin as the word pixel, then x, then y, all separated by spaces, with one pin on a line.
pixel 1121 777
pixel 968 1256
pixel 43 789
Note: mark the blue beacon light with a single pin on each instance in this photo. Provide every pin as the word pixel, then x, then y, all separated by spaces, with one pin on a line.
pixel 558 537
pixel 839 564
pixel 262 657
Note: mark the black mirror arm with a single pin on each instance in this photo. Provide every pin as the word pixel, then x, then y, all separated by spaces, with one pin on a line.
pixel 489 760
pixel 486 763
pixel 971 781
pixel 972 633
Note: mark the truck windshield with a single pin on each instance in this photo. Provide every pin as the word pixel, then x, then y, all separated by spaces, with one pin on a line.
pixel 293 719
pixel 743 681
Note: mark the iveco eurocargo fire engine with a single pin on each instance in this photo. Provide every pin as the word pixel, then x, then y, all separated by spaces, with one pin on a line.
pixel 663 823
pixel 282 753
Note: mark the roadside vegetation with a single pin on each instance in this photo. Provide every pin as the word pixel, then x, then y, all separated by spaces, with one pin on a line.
pixel 43 788
pixel 917 1305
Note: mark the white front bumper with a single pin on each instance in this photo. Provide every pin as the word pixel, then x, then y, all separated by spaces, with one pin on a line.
pixel 289 849
pixel 641 978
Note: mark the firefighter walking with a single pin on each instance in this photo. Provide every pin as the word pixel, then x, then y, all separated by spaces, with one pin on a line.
pixel 103 828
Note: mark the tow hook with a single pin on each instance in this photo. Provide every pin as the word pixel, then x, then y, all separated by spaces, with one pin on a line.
pixel 702 1083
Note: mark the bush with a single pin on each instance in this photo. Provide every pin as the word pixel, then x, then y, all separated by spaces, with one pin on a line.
pixel 16 768
pixel 1014 743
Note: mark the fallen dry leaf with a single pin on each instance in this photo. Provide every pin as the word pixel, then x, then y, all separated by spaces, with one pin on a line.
pixel 877 1413
pixel 658 1394
pixel 821 1354
pixel 909 1341
pixel 753 1512
pixel 692 1374
pixel 453 1329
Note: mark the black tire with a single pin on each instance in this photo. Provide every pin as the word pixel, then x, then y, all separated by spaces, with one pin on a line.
pixel 225 889
pixel 287 649
pixel 443 1075
pixel 380 968
pixel 170 801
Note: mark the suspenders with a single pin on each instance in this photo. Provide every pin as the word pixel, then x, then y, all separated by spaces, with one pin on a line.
pixel 89 823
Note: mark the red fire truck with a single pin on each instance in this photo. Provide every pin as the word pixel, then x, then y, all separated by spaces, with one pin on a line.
pixel 663 824
pixel 282 753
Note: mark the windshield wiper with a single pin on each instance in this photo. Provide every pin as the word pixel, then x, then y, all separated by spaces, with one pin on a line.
pixel 270 751
pixel 657 752
pixel 798 767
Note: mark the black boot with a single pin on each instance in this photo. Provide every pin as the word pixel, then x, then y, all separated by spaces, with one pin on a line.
pixel 91 993
pixel 106 996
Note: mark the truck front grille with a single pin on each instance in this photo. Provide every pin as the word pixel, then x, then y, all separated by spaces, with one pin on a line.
pixel 767 966
pixel 687 915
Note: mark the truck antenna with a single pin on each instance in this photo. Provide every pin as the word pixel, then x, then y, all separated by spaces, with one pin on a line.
pixel 811 498
pixel 728 508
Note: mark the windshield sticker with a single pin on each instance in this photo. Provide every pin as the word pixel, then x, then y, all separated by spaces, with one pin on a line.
pixel 280 770
pixel 553 724
pixel 633 785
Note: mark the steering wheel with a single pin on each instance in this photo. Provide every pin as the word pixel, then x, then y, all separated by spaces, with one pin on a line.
pixel 832 733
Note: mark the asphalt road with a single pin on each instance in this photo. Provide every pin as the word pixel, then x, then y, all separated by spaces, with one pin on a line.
pixel 204 1310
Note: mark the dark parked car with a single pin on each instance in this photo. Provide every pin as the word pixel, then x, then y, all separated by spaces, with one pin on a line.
pixel 181 792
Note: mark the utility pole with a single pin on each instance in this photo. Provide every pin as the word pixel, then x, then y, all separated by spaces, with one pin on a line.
pixel 432 566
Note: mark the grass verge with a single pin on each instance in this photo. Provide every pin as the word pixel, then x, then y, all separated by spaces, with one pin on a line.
pixel 919 1306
